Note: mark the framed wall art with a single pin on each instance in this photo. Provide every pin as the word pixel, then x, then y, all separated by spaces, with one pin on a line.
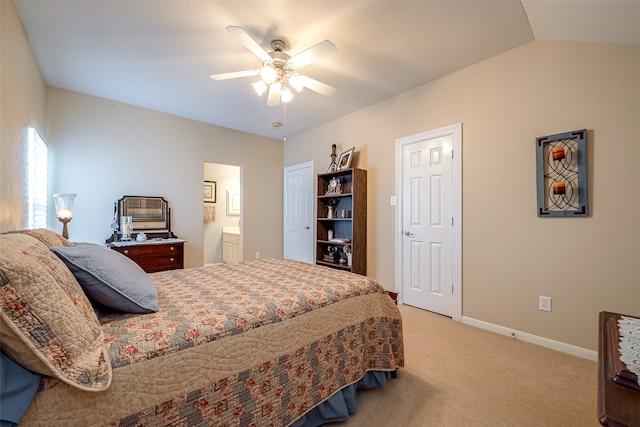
pixel 210 192
pixel 561 174
pixel 233 203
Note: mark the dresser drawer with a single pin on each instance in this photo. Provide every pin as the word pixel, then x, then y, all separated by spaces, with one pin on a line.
pixel 154 257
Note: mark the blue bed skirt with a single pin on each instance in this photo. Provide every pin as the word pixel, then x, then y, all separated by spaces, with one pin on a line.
pixel 18 387
pixel 343 403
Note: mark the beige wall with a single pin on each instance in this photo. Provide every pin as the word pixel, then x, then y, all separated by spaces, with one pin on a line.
pixel 103 150
pixel 510 256
pixel 21 103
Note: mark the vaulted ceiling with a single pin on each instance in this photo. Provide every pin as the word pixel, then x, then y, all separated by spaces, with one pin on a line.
pixel 159 54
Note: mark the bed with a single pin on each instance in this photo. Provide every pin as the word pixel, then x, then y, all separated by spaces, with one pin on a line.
pixel 270 342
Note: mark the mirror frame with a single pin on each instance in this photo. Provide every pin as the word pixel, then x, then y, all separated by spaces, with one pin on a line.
pixel 158 225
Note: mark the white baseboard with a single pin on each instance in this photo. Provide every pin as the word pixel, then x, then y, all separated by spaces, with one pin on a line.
pixel 534 339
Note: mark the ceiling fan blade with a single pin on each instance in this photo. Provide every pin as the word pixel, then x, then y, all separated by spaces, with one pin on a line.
pixel 316 86
pixel 248 42
pixel 312 54
pixel 235 74
pixel 274 95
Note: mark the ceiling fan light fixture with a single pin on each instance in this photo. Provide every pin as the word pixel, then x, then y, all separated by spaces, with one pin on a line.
pixel 297 82
pixel 268 74
pixel 278 72
pixel 260 86
pixel 285 95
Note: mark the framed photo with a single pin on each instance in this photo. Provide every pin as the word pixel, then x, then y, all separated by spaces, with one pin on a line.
pixel 345 159
pixel 210 192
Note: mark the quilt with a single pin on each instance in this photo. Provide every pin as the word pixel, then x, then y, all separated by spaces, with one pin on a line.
pixel 257 343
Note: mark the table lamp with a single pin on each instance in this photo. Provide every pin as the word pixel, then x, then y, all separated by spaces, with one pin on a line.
pixel 64 210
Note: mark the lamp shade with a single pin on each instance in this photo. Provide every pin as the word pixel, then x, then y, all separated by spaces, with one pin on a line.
pixel 268 74
pixel 64 205
pixel 286 94
pixel 260 86
pixel 297 82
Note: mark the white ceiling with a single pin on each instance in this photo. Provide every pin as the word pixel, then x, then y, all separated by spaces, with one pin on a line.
pixel 159 54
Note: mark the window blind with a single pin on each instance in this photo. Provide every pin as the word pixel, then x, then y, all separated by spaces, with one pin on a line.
pixel 37 176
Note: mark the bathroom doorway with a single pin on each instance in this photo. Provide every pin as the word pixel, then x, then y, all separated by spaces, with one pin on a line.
pixel 222 217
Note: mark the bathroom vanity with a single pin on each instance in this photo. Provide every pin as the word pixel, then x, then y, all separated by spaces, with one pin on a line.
pixel 231 247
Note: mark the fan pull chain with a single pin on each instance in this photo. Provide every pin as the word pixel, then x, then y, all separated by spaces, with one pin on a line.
pixel 284 122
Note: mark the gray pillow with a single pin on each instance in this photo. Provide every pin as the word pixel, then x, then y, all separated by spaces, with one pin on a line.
pixel 110 278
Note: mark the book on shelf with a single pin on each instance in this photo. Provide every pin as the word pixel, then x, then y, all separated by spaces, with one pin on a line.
pixel 340 240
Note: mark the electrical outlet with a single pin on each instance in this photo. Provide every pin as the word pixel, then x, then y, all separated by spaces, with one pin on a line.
pixel 392 201
pixel 257 255
pixel 544 303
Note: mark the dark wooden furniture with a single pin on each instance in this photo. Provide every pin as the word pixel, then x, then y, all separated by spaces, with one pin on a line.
pixel 151 215
pixel 153 256
pixel 618 391
pixel 393 296
pixel 351 227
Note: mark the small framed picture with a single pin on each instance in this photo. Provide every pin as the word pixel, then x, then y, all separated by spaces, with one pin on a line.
pixel 345 159
pixel 210 192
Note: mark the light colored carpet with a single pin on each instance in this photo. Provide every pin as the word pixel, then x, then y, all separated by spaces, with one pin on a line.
pixel 460 375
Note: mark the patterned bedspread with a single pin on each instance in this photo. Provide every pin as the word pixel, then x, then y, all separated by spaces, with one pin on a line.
pixel 254 343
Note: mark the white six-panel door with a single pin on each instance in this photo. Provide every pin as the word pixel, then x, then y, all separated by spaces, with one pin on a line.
pixel 427 218
pixel 298 212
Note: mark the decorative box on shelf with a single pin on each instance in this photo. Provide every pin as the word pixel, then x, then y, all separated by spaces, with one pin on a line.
pixel 331 257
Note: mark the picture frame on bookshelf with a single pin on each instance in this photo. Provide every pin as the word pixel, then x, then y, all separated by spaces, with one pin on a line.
pixel 345 159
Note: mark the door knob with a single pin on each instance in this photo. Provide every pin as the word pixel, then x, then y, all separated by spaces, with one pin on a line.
pixel 307 227
pixel 408 233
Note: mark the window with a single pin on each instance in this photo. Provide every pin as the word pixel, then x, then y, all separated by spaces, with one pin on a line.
pixel 37 173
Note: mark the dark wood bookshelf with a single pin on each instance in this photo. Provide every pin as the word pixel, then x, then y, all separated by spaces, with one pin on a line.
pixel 352 200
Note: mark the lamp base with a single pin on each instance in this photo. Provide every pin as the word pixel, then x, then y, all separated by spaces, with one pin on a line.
pixel 65 231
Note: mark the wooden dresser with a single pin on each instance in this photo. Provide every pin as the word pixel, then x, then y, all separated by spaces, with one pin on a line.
pixel 618 390
pixel 152 256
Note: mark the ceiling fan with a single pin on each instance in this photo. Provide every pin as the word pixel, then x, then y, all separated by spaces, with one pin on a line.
pixel 279 70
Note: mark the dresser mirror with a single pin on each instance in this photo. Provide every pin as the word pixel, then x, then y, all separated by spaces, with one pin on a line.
pixel 149 215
